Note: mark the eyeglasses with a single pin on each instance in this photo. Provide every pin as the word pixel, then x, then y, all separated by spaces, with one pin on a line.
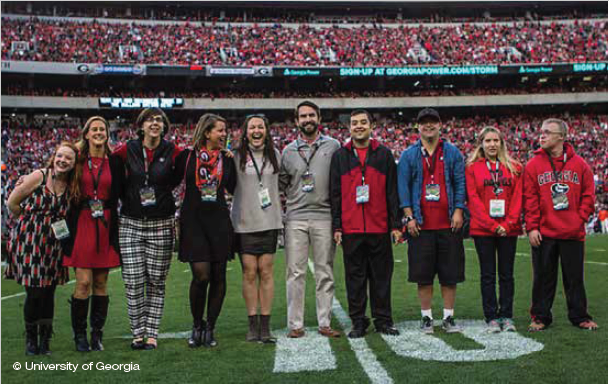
pixel 152 119
pixel 260 115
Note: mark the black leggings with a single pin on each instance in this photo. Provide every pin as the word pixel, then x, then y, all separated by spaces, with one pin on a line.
pixel 204 275
pixel 39 303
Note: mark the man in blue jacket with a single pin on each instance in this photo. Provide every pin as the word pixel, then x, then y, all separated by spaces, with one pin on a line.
pixel 431 188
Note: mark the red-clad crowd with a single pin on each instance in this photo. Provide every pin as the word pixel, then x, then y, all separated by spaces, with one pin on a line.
pixel 192 43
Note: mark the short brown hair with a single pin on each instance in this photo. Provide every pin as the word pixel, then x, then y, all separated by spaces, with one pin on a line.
pixel 307 103
pixel 363 112
pixel 145 114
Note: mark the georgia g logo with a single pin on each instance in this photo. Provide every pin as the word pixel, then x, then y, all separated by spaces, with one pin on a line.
pixel 559 189
pixel 203 173
pixel 204 157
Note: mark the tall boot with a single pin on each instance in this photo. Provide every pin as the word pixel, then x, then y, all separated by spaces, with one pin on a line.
pixel 253 334
pixel 265 330
pixel 80 310
pixel 208 336
pixel 99 313
pixel 31 339
pixel 45 332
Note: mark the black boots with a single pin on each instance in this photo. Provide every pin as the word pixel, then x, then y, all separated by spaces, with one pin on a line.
pixel 80 310
pixel 196 337
pixel 208 335
pixel 31 339
pixel 45 331
pixel 99 313
pixel 265 330
pixel 253 334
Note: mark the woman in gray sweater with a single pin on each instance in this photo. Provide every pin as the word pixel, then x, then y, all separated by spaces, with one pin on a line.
pixel 256 217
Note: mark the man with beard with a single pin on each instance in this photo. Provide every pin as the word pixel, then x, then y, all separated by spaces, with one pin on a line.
pixel 305 180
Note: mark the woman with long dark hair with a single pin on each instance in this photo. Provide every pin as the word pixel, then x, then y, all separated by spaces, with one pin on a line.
pixel 34 259
pixel 256 216
pixel 93 221
pixel 205 226
pixel 494 188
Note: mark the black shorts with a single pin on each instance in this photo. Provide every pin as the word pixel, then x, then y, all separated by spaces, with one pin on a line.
pixel 257 243
pixel 439 251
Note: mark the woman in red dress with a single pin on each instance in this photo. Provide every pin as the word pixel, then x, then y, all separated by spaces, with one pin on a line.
pixel 93 223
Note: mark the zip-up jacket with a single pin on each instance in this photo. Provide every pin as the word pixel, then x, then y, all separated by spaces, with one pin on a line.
pixel 381 213
pixel 539 181
pixel 161 179
pixel 410 179
pixel 480 191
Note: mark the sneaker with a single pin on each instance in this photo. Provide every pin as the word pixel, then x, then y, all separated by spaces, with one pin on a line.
pixel 449 326
pixel 493 326
pixel 426 325
pixel 388 329
pixel 507 325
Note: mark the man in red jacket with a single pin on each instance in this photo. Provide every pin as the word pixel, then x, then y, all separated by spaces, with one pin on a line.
pixel 364 204
pixel 558 200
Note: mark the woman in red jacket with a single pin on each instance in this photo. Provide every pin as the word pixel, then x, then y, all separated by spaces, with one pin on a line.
pixel 494 189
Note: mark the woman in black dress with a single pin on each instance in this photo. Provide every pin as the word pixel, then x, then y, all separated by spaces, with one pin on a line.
pixel 205 228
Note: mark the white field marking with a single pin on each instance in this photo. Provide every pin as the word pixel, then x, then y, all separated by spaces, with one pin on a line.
pixel 309 353
pixel 363 353
pixel 528 255
pixel 69 282
pixel 397 261
pixel 498 346
pixel 168 335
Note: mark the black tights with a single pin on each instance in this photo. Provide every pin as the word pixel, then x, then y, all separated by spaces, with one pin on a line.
pixel 39 303
pixel 206 274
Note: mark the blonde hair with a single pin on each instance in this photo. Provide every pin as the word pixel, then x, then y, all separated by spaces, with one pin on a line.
pixel 206 123
pixel 503 155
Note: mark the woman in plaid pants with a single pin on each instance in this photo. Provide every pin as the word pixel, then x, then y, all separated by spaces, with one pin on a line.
pixel 146 233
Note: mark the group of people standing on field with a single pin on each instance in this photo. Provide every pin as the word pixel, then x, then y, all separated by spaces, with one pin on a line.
pixel 352 195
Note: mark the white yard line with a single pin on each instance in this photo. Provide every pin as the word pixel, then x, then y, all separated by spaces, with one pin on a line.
pixel 69 282
pixel 363 353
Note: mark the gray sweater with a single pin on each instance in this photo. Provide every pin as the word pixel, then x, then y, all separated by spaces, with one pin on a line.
pixel 314 205
pixel 247 215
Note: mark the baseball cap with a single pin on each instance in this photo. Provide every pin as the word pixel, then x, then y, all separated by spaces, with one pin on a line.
pixel 428 113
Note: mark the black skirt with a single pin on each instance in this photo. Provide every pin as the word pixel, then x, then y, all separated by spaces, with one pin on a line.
pixel 257 243
pixel 205 236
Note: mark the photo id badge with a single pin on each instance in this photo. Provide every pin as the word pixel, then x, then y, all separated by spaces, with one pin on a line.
pixel 97 208
pixel 147 196
pixel 209 192
pixel 60 230
pixel 497 208
pixel 308 182
pixel 362 194
pixel 264 197
pixel 432 192
pixel 560 199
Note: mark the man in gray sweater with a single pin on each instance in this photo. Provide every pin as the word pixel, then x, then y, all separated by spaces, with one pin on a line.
pixel 305 180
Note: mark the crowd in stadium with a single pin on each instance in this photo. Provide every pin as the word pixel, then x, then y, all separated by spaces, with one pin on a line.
pixel 71 41
pixel 285 16
pixel 21 90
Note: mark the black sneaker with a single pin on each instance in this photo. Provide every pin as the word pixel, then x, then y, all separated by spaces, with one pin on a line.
pixel 449 326
pixel 426 325
pixel 388 329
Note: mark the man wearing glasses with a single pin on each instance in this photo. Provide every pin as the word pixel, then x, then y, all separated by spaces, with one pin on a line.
pixel 305 179
pixel 558 200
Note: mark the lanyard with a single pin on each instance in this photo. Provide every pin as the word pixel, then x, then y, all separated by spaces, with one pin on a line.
pixel 55 210
pixel 95 182
pixel 554 167
pixel 494 174
pixel 431 167
pixel 362 168
pixel 258 171
pixel 145 164
pixel 308 161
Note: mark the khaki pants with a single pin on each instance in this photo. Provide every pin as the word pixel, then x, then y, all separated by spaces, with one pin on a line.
pixel 300 236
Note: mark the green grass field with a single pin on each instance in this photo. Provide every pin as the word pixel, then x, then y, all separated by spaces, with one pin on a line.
pixel 569 355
